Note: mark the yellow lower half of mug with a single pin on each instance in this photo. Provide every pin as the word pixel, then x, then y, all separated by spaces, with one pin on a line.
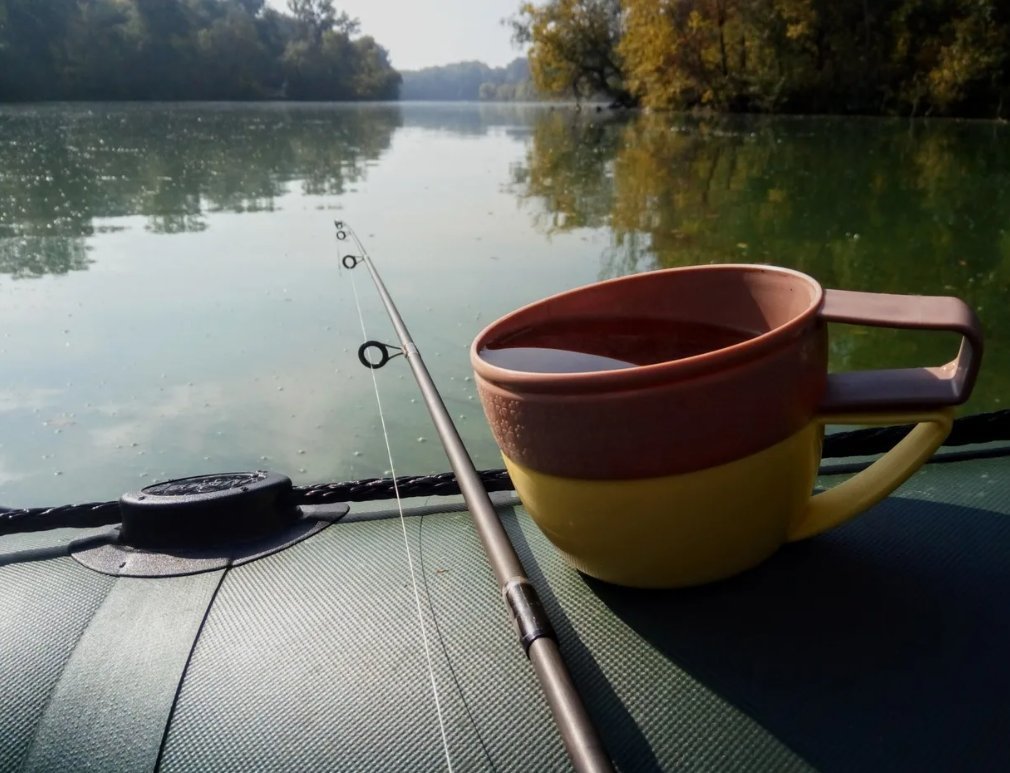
pixel 695 527
pixel 676 530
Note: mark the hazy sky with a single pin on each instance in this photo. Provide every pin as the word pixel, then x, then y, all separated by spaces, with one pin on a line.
pixel 422 33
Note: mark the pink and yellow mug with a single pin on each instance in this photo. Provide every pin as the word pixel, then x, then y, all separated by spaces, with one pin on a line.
pixel 664 429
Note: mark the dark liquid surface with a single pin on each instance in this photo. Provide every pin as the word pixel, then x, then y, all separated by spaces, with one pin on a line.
pixel 589 345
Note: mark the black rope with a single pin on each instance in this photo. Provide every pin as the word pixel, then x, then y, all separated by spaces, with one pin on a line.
pixel 983 428
pixel 107 513
pixel 42 518
pixel 850 468
pixel 441 484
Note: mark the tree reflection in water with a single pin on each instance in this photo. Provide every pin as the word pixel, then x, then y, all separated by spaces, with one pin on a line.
pixel 63 169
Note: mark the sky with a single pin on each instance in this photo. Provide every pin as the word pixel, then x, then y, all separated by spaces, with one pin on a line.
pixel 426 33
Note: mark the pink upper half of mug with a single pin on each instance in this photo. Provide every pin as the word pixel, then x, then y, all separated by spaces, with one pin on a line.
pixel 668 417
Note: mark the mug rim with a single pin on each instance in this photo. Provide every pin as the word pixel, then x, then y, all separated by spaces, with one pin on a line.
pixel 648 374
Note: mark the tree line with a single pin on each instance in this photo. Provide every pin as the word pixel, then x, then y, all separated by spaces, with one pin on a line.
pixel 187 49
pixel 470 81
pixel 910 57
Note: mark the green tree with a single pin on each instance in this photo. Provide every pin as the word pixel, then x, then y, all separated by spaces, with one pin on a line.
pixel 573 48
pixel 186 49
pixel 460 80
pixel 101 46
pixel 323 62
pixel 233 60
pixel 374 77
pixel 319 17
pixel 164 68
pixel 32 47
pixel 471 81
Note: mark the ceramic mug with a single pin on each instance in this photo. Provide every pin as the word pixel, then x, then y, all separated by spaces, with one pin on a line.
pixel 665 429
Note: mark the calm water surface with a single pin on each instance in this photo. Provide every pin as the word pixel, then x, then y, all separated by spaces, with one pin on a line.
pixel 172 303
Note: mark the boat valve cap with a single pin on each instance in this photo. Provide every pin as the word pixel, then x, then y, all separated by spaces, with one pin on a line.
pixel 206 510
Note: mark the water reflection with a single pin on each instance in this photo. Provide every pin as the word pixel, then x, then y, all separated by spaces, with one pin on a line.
pixel 859 204
pixel 231 344
pixel 474 119
pixel 33 255
pixel 64 169
pixel 213 327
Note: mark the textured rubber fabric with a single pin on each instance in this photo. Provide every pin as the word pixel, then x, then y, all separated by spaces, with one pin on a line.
pixel 880 645
pixel 653 714
pixel 46 602
pixel 110 708
pixel 313 659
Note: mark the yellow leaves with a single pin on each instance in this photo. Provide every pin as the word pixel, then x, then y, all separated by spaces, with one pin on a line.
pixel 672 51
pixel 797 31
pixel 951 57
pixel 761 54
pixel 687 53
pixel 649 49
pixel 799 14
pixel 573 45
pixel 975 50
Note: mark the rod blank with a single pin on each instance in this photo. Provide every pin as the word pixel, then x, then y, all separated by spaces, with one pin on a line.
pixel 581 739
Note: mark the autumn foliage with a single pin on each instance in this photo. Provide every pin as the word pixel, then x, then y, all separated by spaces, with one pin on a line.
pixel 943 57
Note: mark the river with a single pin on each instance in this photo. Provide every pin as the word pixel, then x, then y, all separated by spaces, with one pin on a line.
pixel 172 300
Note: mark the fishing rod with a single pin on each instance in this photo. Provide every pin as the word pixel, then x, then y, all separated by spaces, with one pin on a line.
pixel 581 739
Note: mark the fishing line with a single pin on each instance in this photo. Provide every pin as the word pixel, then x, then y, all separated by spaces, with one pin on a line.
pixel 403 526
pixel 532 625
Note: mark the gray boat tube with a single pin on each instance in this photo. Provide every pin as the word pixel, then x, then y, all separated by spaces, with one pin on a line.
pixel 582 741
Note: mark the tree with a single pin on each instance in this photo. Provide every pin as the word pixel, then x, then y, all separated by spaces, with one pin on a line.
pixel 323 62
pixel 32 50
pixel 574 48
pixel 374 77
pixel 319 17
pixel 470 81
pixel 233 60
pixel 166 50
pixel 251 7
pixel 725 54
pixel 951 55
pixel 460 80
pixel 100 47
pixel 675 52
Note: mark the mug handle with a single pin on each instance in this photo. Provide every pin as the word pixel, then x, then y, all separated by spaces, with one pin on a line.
pixel 897 396
pixel 864 489
pixel 903 388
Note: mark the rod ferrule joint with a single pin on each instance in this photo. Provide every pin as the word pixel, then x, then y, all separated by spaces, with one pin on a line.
pixel 528 614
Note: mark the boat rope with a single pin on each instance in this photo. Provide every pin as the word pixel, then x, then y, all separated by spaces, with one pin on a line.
pixel 94 514
pixel 406 539
pixel 969 430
